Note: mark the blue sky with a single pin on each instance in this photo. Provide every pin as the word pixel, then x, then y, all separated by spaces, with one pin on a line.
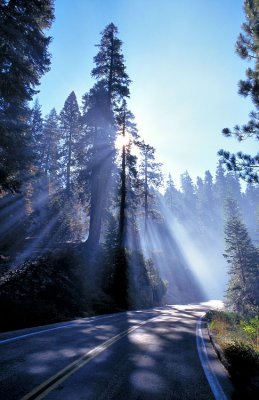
pixel 180 56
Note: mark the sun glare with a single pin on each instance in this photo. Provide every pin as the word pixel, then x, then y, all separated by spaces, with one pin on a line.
pixel 122 141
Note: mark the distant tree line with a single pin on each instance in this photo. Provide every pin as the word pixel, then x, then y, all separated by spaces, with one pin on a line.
pixel 222 219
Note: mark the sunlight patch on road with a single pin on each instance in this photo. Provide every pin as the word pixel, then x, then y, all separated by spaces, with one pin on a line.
pixel 48 355
pixel 216 304
pixel 68 353
pixel 143 361
pixel 38 369
pixel 147 381
pixel 147 342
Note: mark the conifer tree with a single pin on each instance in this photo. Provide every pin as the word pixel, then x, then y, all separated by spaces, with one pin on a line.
pixel 36 128
pixel 98 140
pixel 23 60
pixel 209 199
pixel 110 66
pixel 188 195
pixel 220 183
pixel 50 155
pixel 250 210
pixel 31 187
pixel 243 260
pixel 172 196
pixel 206 204
pixel 200 196
pixel 128 173
pixel 150 177
pixel 70 139
pixel 111 87
pixel 233 187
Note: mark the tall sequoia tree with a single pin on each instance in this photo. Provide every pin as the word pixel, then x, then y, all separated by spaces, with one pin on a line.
pixel 111 87
pixel 97 155
pixel 247 47
pixel 110 67
pixel 23 60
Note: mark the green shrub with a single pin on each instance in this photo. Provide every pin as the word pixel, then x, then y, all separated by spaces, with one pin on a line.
pixel 251 329
pixel 238 339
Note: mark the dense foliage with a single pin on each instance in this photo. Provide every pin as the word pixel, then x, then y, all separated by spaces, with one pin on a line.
pixel 243 258
pixel 247 47
pixel 22 25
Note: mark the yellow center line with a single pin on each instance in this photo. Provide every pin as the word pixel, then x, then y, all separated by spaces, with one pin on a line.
pixel 50 384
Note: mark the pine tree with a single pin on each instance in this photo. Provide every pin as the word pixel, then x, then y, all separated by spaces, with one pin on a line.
pixel 36 128
pixel 220 193
pixel 209 200
pixel 206 205
pixel 49 166
pixel 189 198
pixel 250 210
pixel 247 47
pixel 98 158
pixel 23 60
pixel 110 66
pixel 111 87
pixel 128 173
pixel 172 197
pixel 69 145
pixel 220 183
pixel 150 177
pixel 31 185
pixel 243 259
pixel 200 198
pixel 233 188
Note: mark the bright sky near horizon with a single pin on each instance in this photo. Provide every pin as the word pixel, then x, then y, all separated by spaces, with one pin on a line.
pixel 180 56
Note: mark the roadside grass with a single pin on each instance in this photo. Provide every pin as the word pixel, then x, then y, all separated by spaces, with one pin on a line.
pixel 238 338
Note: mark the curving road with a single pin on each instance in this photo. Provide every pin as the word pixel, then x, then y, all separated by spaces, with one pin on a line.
pixel 150 354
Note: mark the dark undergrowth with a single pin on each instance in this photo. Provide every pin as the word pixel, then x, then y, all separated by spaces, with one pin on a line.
pixel 42 291
pixel 74 282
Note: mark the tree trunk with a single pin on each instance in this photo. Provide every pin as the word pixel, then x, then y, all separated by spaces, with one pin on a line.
pixel 122 200
pixel 101 172
pixel 97 204
pixel 69 162
pixel 111 68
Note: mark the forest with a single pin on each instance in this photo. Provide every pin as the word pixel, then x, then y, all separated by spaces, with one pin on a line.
pixel 89 224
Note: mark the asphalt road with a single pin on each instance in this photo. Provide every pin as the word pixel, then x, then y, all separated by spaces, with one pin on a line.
pixel 150 354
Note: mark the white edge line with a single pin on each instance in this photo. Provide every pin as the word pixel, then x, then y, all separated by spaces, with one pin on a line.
pixel 13 339
pixel 70 325
pixel 211 377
